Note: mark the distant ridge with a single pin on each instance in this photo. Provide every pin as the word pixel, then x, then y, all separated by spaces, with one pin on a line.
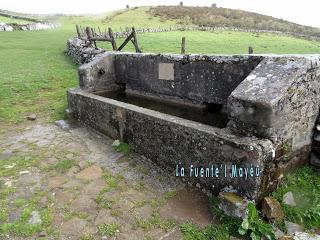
pixel 232 18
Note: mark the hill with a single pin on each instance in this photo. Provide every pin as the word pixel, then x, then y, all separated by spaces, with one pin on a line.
pixel 232 18
pixel 19 18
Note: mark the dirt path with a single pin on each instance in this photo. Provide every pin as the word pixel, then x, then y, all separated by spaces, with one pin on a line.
pixel 72 184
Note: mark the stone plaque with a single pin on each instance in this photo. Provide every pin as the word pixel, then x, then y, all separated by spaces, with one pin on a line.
pixel 166 71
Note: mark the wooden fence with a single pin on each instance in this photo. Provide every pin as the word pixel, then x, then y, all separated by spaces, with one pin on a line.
pixel 92 36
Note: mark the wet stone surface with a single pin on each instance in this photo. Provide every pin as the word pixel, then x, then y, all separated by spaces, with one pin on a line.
pixel 72 184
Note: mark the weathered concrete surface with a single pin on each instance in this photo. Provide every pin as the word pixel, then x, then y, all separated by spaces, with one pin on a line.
pixel 172 141
pixel 99 74
pixel 279 101
pixel 272 108
pixel 193 78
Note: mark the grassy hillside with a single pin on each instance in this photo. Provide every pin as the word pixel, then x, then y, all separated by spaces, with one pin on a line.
pixel 225 17
pixel 12 20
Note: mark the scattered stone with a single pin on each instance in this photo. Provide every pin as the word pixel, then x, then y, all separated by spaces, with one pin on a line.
pixel 305 236
pixel 43 201
pixel 278 233
pixel 232 204
pixel 8 183
pixel 272 210
pixel 116 143
pixel 32 117
pixel 63 124
pixel 314 160
pixel 14 215
pixel 316 137
pixel 293 227
pixel 24 172
pixel 69 156
pixel 289 199
pixel 5 155
pixel 90 173
pixel 42 234
pixel 35 218
pixel 318 127
pixel 10 166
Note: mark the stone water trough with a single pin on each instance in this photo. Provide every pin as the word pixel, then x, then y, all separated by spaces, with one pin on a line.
pixel 221 122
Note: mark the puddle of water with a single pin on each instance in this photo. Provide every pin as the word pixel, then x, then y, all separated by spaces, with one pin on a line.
pixel 188 205
pixel 214 117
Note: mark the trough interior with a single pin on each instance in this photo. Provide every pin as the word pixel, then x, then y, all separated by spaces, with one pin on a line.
pixel 208 113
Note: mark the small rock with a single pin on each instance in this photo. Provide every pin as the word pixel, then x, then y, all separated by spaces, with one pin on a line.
pixel 293 227
pixel 232 204
pixel 116 143
pixel 32 117
pixel 10 166
pixel 8 183
pixel 24 172
pixel 5 155
pixel 318 127
pixel 305 236
pixel 272 210
pixel 35 218
pixel 42 234
pixel 278 233
pixel 316 137
pixel 63 124
pixel 289 199
pixel 69 156
pixel 314 160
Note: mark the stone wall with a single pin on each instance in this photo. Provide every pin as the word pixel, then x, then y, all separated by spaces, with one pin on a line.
pixel 26 27
pixel 80 52
pixel 170 141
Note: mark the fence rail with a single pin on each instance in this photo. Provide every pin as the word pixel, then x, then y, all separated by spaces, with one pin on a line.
pixel 91 36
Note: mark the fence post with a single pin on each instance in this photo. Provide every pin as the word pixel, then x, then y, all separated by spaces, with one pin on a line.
pixel 135 41
pixel 113 42
pixel 250 50
pixel 183 45
pixel 78 31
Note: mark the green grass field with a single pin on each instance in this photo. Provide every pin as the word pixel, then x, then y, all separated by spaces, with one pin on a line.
pixel 35 73
pixel 12 20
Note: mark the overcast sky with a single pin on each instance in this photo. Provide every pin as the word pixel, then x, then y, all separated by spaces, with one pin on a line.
pixel 305 12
